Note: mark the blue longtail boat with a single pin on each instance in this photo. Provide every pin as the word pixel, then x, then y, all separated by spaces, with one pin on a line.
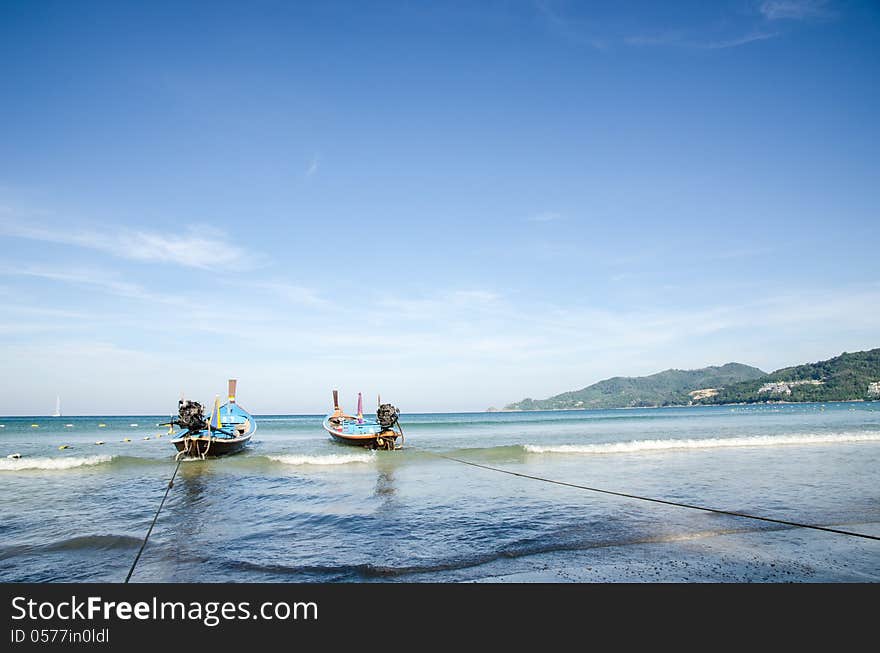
pixel 227 430
pixel 376 433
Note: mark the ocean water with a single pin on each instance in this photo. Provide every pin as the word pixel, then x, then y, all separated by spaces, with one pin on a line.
pixel 298 507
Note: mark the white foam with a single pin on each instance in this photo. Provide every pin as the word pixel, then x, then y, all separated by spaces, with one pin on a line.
pixel 328 459
pixel 707 443
pixel 66 462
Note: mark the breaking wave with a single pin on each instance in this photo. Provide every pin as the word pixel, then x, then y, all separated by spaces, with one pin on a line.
pixel 66 462
pixel 633 446
pixel 329 459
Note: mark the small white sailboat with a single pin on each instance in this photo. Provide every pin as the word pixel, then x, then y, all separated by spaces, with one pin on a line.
pixel 57 412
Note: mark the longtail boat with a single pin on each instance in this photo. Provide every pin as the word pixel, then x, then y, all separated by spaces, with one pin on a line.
pixel 357 430
pixel 227 429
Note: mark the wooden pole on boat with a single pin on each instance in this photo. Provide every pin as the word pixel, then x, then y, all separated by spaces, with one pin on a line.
pixel 336 411
pixel 230 393
pixel 360 414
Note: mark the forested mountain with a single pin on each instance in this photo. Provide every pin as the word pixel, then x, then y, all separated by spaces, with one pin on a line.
pixel 850 376
pixel 661 389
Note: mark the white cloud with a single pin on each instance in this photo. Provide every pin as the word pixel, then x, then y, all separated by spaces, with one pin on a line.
pixel 460 348
pixel 736 42
pixel 546 216
pixel 769 10
pixel 292 293
pixel 481 296
pixel 96 278
pixel 314 164
pixel 195 246
pixel 446 307
pixel 794 9
pixel 678 39
pixel 673 37
pixel 572 30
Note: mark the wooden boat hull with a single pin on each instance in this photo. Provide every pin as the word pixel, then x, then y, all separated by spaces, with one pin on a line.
pixel 368 435
pixel 368 442
pixel 212 447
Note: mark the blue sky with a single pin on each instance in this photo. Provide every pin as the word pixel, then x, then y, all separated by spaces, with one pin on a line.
pixel 455 204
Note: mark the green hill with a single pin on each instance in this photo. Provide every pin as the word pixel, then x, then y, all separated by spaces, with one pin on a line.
pixel 843 378
pixel 662 389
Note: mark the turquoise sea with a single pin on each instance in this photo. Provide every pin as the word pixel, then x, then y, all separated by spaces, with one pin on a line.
pixel 298 507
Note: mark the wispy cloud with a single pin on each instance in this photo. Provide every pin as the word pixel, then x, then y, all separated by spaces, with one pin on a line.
pixel 672 37
pixel 197 246
pixel 572 30
pixel 314 164
pixel 470 345
pixel 678 39
pixel 750 31
pixel 481 296
pixel 739 252
pixel 794 9
pixel 292 293
pixel 94 278
pixel 42 311
pixel 547 216
pixel 736 42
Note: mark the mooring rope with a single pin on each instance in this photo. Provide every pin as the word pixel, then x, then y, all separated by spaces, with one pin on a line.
pixel 155 517
pixel 626 495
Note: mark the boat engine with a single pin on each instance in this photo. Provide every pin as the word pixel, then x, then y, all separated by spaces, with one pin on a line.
pixel 387 416
pixel 191 416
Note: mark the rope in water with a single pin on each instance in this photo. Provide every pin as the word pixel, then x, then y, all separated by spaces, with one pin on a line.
pixel 626 495
pixel 155 517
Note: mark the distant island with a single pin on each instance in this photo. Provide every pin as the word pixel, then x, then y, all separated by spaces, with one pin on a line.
pixel 848 377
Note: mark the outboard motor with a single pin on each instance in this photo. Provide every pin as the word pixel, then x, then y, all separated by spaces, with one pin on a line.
pixel 191 416
pixel 387 416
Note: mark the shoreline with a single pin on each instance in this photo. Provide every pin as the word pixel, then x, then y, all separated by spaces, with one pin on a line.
pixel 740 403
pixel 741 556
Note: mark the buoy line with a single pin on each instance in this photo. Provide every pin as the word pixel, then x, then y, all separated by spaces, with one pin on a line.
pixel 626 495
